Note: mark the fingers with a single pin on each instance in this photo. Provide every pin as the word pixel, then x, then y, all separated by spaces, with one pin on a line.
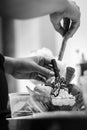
pixel 75 20
pixel 56 21
pixel 44 71
pixel 63 30
pixel 71 18
pixel 60 29
pixel 45 61
pixel 32 75
pixel 40 78
pixel 35 76
pixel 44 67
pixel 74 26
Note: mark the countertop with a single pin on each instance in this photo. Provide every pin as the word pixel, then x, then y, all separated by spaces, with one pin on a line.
pixel 60 120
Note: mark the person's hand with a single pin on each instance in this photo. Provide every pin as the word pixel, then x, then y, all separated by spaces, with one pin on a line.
pixel 71 20
pixel 35 67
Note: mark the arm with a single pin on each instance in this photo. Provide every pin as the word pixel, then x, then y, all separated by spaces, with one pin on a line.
pixel 23 9
pixel 9 64
pixel 36 67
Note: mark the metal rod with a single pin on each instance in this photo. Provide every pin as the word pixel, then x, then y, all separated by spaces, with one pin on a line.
pixel 66 25
pixel 62 50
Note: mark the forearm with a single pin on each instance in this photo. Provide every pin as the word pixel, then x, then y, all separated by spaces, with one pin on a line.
pixel 23 9
pixel 8 64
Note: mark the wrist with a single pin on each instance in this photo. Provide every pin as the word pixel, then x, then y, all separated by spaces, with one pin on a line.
pixel 9 64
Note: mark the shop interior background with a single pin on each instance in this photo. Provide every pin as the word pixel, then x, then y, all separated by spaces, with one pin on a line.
pixel 19 37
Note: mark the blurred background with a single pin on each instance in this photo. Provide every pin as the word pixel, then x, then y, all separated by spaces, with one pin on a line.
pixel 18 38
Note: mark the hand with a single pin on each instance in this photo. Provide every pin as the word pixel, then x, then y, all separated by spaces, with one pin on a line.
pixel 35 67
pixel 71 20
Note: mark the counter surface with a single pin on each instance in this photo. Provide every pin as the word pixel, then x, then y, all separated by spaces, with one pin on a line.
pixel 50 121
